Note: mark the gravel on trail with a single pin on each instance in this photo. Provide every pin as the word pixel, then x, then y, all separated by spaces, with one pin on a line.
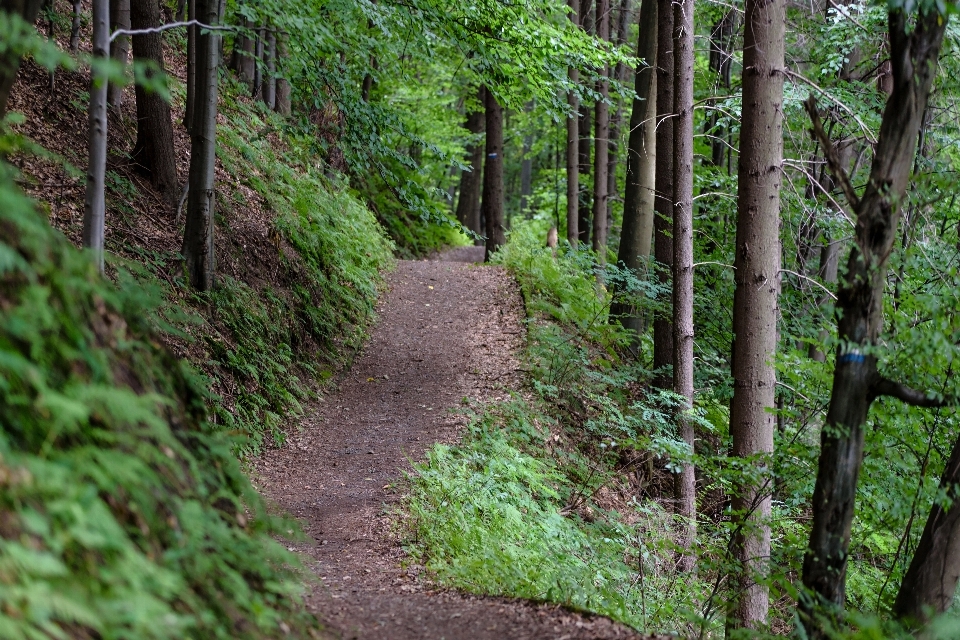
pixel 447 330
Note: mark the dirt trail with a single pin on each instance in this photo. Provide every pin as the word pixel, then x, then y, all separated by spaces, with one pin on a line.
pixel 447 330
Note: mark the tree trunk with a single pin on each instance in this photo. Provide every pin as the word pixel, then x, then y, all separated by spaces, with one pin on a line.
pixel 585 132
pixel 856 382
pixel 685 482
pixel 193 33
pixel 601 143
pixel 526 175
pixel 284 105
pixel 930 584
pixel 635 235
pixel 721 58
pixel 573 160
pixel 268 84
pixel 198 248
pixel 153 151
pixel 94 205
pixel 613 138
pixel 9 58
pixel 119 48
pixel 468 204
pixel 75 27
pixel 829 262
pixel 755 310
pixel 242 61
pixel 493 176
pixel 258 50
pixel 663 203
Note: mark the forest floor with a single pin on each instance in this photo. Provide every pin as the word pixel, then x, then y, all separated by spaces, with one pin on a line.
pixel 449 334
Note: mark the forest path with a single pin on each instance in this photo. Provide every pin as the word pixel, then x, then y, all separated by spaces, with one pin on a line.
pixel 447 330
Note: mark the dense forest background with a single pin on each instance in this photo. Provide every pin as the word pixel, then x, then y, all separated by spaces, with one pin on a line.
pixel 735 229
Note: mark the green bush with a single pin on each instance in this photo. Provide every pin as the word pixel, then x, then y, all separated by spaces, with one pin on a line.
pixel 123 512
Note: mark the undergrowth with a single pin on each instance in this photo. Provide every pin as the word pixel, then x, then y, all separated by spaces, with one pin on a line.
pixel 553 496
pixel 125 513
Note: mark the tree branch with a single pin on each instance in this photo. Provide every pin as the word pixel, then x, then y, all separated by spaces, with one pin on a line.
pixel 830 152
pixel 886 387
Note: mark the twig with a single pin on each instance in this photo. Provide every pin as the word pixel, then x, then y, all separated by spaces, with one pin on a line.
pixel 800 275
pixel 167 27
pixel 866 131
pixel 183 198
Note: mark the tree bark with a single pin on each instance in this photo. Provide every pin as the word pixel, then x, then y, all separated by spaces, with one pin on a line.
pixel 468 204
pixel 268 84
pixel 193 33
pixel 637 230
pixel 153 151
pixel 663 202
pixel 119 48
pixel 75 26
pixel 685 481
pixel 914 52
pixel 284 104
pixel 493 176
pixel 94 205
pixel 616 119
pixel 755 307
pixel 930 584
pixel 601 142
pixel 242 61
pixel 585 132
pixel 256 88
pixel 573 159
pixel 198 245
pixel 10 57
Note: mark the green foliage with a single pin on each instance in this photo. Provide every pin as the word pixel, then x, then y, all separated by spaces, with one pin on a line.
pixel 125 512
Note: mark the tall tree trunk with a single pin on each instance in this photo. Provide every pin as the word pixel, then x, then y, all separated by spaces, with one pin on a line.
pixel 94 205
pixel 685 482
pixel 258 51
pixel 914 50
pixel 268 87
pixel 526 175
pixel 153 151
pixel 119 48
pixel 585 132
pixel 637 230
pixel 493 175
pixel 601 142
pixel 755 310
pixel 75 27
pixel 829 262
pixel 284 105
pixel 663 202
pixel 613 144
pixel 193 33
pixel 468 204
pixel 930 584
pixel 10 57
pixel 573 132
pixel 242 61
pixel 721 58
pixel 198 247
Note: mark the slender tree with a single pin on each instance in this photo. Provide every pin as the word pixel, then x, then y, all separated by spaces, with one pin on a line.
pixel 193 33
pixel 585 133
pixel 685 490
pixel 914 50
pixel 637 230
pixel 75 26
pixel 755 307
pixel 94 206
pixel 492 206
pixel 268 84
pixel 198 245
pixel 573 133
pixel 600 143
pixel 284 105
pixel 663 203
pixel 468 203
pixel 241 60
pixel 27 11
pixel 153 151
pixel 619 74
pixel 119 47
